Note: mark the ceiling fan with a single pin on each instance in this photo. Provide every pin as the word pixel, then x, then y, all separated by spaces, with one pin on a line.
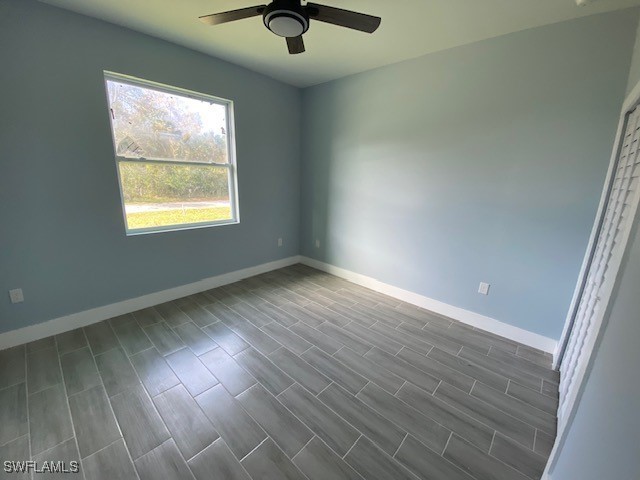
pixel 290 19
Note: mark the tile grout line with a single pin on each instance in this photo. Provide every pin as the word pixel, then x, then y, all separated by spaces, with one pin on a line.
pixel 447 444
pixel 493 438
pixel 313 436
pixel 526 422
pixel 513 376
pixel 289 387
pixel 354 443
pixel 433 394
pixel 336 352
pixel 26 401
pixel 267 437
pixel 17 383
pixel 124 441
pixel 73 351
pixel 400 388
pixel 362 435
pixel 153 405
pixel 105 447
pixel 259 425
pixel 16 438
pixel 501 411
pixel 474 398
pixel 402 428
pixel 532 406
pixel 68 404
pixel 320 392
pixel 365 386
pixel 336 414
pixel 129 355
pixel 406 435
pixel 492 456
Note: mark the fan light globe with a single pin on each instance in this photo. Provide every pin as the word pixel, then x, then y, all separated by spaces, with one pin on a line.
pixel 286 22
pixel 286 26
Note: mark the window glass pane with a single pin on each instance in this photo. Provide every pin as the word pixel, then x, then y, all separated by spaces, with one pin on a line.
pixel 163 126
pixel 157 195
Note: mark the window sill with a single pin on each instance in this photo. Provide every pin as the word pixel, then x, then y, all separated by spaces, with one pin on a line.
pixel 179 228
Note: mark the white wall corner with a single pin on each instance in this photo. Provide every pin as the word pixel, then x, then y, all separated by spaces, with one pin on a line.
pixel 98 314
pixel 474 319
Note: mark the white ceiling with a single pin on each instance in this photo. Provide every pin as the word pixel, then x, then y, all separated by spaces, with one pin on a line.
pixel 410 28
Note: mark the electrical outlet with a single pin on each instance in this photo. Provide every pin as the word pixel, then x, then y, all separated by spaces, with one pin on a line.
pixel 484 288
pixel 317 243
pixel 280 242
pixel 16 295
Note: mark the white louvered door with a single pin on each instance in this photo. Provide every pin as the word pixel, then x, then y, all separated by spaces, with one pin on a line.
pixel 605 262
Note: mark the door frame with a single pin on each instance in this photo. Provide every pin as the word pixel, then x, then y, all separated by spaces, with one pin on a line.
pixel 561 349
pixel 609 288
pixel 569 323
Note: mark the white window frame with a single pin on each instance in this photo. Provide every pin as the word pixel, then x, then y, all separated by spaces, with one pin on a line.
pixel 231 153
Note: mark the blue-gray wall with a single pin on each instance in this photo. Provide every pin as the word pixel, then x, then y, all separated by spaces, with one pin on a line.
pixel 634 70
pixel 602 440
pixel 479 163
pixel 61 228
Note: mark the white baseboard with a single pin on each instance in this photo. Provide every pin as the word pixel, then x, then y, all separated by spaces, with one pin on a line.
pixel 94 315
pixel 465 316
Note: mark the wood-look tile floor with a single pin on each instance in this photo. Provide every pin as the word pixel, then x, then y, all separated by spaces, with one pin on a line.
pixel 293 374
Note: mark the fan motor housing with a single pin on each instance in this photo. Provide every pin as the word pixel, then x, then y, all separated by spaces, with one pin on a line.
pixel 286 18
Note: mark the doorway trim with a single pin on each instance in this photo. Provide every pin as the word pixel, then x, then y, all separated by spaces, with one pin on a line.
pixel 585 366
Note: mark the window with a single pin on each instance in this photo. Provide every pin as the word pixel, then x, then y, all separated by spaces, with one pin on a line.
pixel 174 154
